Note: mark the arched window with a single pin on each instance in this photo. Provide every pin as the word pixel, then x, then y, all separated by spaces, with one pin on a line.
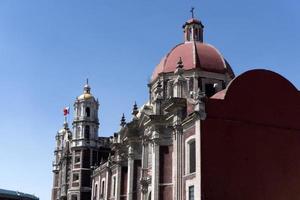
pixel 102 188
pixel 87 112
pixel 196 34
pixel 149 196
pixel 190 155
pixel 87 132
pixel 95 192
pixel 170 89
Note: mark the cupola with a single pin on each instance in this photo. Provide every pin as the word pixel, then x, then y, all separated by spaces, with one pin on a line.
pixel 193 29
pixel 86 92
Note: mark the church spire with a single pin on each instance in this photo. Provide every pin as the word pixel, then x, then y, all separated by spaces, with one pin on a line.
pixel 193 29
pixel 87 88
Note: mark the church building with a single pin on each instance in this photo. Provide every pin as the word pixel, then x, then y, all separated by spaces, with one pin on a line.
pixel 204 134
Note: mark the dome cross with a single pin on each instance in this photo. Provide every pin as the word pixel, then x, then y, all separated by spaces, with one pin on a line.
pixel 192 11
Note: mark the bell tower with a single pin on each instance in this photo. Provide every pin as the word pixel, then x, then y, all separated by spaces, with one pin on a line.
pixel 84 144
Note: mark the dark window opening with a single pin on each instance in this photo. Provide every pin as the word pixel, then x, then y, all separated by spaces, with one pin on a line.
pixel 95 192
pixel 210 90
pixel 223 84
pixel 74 197
pixel 200 84
pixel 196 34
pixel 191 193
pixel 102 189
pixel 192 152
pixel 87 132
pixel 77 159
pixel 75 177
pixel 114 186
pixel 87 112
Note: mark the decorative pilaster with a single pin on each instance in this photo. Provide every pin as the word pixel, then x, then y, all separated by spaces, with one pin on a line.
pixel 118 182
pixel 145 179
pixel 200 109
pixel 155 166
pixel 177 165
pixel 130 178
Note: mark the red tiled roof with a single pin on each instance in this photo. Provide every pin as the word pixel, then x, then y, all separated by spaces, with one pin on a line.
pixel 194 55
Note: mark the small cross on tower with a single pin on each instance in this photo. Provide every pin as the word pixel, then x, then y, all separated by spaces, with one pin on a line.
pixel 192 11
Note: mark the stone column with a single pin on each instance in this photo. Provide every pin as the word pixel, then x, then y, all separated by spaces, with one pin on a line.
pixel 145 167
pixel 198 159
pixel 201 115
pixel 107 176
pixel 155 167
pixel 177 165
pixel 130 169
pixel 118 179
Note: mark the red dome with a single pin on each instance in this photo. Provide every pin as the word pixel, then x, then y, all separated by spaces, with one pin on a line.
pixel 194 55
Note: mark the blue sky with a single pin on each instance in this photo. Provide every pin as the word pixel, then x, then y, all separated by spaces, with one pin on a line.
pixel 49 48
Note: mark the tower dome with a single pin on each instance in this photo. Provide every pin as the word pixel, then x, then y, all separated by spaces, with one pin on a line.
pixel 194 54
pixel 86 92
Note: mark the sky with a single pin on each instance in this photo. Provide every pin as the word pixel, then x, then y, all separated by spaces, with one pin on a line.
pixel 48 49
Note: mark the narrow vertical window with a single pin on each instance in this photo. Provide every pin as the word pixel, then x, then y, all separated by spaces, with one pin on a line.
pixel 74 197
pixel 210 90
pixel 191 193
pixel 191 84
pixel 102 189
pixel 196 34
pixel 87 112
pixel 114 186
pixel 87 132
pixel 95 192
pixel 192 156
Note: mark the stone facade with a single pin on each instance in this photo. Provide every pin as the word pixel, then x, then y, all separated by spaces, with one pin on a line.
pixel 78 151
pixel 203 134
pixel 155 155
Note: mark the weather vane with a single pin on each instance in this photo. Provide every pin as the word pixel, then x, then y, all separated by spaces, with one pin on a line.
pixel 192 11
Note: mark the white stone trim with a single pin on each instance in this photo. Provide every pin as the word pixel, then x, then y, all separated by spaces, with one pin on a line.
pixel 114 185
pixel 189 183
pixel 187 153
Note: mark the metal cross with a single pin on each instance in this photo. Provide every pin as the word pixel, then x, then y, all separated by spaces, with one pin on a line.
pixel 192 11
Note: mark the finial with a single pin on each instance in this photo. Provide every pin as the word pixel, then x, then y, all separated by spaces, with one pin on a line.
pixel 87 88
pixel 192 11
pixel 135 110
pixel 179 68
pixel 179 63
pixel 123 120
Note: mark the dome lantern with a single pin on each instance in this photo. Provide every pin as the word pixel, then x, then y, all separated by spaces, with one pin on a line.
pixel 193 29
pixel 86 92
